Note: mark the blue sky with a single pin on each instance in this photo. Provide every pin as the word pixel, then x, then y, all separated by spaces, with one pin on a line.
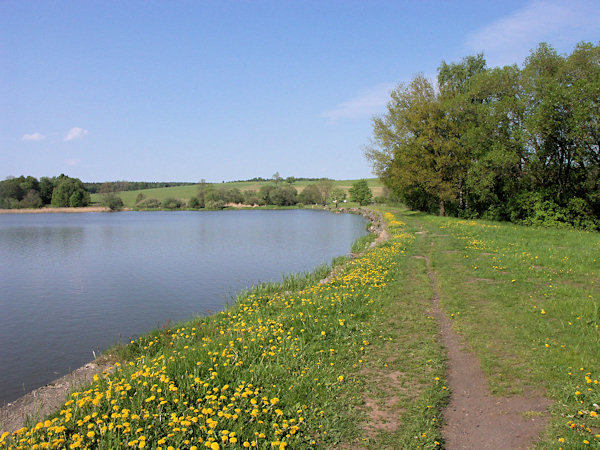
pixel 227 90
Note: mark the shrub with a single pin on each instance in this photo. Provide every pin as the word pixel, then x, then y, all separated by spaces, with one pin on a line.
pixel 194 203
pixel 215 204
pixel 112 201
pixel 149 203
pixel 171 203
pixel 283 196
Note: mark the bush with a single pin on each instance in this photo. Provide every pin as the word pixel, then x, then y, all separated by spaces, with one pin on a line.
pixel 112 201
pixel 149 203
pixel 283 196
pixel 215 204
pixel 194 203
pixel 171 203
pixel 140 198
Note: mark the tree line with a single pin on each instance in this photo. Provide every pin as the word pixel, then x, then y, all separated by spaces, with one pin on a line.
pixel 119 186
pixel 29 192
pixel 519 144
pixel 276 193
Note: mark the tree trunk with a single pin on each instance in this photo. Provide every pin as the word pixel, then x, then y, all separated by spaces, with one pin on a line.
pixel 442 208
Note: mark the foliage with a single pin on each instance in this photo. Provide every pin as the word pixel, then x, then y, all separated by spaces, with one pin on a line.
pixel 337 195
pixel 215 204
pixel 112 201
pixel 325 185
pixel 311 195
pixel 482 140
pixel 194 203
pixel 172 203
pixel 69 192
pixel 149 203
pixel 284 195
pixel 360 192
pixel 124 186
pixel 251 197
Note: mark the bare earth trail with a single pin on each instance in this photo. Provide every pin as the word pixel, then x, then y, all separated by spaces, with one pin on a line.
pixel 475 419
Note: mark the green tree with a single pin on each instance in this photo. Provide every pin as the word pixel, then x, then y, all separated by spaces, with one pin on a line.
pixel 325 185
pixel 46 188
pixel 311 194
pixel 360 192
pixel 337 195
pixel 69 192
pixel 264 194
pixel 112 201
pixel 283 196
pixel 11 192
pixel 31 200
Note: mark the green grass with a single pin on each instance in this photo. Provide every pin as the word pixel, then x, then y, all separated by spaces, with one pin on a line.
pixel 527 300
pixel 284 365
pixel 184 193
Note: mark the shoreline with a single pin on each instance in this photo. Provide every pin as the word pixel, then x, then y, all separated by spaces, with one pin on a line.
pixel 44 400
pixel 55 210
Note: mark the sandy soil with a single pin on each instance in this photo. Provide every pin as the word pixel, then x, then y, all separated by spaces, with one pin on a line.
pixel 55 210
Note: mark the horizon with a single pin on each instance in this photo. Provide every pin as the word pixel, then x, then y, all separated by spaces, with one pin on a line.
pixel 235 90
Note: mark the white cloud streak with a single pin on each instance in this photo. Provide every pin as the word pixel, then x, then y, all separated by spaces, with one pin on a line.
pixel 560 23
pixel 75 133
pixel 33 137
pixel 72 162
pixel 366 103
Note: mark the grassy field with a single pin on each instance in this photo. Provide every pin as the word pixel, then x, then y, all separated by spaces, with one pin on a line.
pixel 528 302
pixel 357 362
pixel 184 193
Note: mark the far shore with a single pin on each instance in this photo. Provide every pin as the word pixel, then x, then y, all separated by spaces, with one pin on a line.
pixel 54 210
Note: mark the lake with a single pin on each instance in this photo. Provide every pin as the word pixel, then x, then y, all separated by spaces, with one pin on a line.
pixel 74 284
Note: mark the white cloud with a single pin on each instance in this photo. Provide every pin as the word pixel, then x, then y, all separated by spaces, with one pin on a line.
pixel 72 162
pixel 75 133
pixel 33 137
pixel 366 103
pixel 561 23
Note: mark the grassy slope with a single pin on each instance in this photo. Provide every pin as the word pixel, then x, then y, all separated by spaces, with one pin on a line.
pixel 186 192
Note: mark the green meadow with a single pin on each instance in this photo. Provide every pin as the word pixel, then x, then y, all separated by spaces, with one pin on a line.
pixel 356 361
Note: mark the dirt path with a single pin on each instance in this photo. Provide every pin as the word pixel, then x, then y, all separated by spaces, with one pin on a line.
pixel 474 418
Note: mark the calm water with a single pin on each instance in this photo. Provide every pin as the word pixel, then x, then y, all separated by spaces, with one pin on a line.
pixel 71 284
